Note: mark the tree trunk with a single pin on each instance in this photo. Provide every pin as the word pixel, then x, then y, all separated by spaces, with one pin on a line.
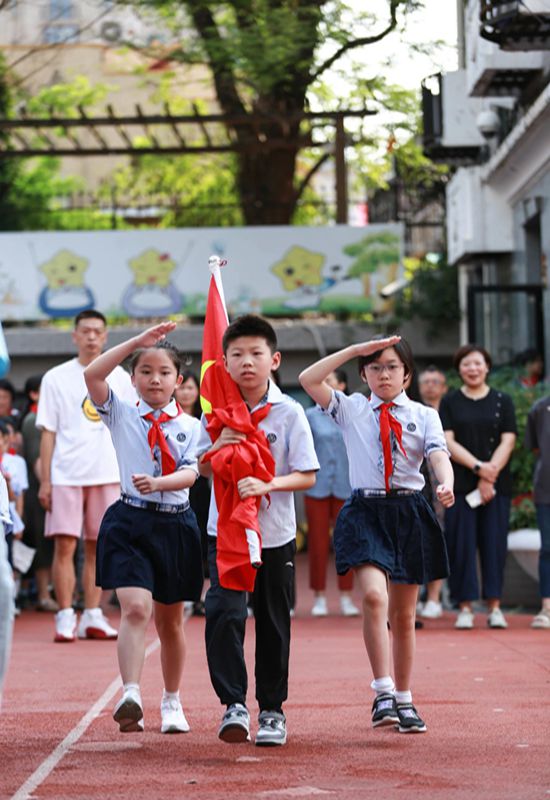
pixel 266 186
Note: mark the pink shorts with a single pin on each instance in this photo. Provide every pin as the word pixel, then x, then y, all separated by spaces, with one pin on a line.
pixel 78 510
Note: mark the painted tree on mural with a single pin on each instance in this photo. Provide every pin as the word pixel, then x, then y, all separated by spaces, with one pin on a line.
pixel 265 57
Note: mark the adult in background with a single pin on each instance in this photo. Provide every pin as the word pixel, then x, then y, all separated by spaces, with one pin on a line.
pixel 537 438
pixel 79 475
pixel 324 500
pixel 480 428
pixel 432 387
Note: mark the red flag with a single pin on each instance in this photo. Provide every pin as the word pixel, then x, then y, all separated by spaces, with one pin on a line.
pixel 239 541
pixel 218 389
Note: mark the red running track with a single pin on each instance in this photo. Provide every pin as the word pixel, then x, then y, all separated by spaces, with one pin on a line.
pixel 485 696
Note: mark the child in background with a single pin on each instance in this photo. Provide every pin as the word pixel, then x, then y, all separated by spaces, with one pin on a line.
pixel 148 548
pixel 14 469
pixel 323 502
pixel 387 531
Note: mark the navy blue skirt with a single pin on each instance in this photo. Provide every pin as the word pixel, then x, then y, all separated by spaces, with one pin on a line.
pixel 151 550
pixel 399 534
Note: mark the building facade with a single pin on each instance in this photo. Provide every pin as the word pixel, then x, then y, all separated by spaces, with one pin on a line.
pixel 490 121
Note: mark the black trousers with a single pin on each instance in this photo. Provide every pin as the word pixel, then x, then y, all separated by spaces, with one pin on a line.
pixel 226 614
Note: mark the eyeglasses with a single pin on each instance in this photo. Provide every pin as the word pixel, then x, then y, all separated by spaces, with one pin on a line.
pixel 378 369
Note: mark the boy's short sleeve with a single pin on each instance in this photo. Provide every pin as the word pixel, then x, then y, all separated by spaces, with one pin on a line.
pixel 301 449
pixel 204 442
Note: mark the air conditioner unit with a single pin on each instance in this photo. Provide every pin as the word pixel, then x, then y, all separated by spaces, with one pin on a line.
pixel 111 31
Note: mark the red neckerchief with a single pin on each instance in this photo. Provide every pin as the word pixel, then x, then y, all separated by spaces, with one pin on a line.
pixel 155 436
pixel 388 423
pixel 252 457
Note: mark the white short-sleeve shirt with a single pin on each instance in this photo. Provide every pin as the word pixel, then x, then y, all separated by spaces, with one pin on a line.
pixel 129 433
pixel 16 468
pixel 291 444
pixel 359 418
pixel 83 454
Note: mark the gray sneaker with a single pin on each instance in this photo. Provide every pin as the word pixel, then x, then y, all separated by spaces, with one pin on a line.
pixel 235 725
pixel 272 729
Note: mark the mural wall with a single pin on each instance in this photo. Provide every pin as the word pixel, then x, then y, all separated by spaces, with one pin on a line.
pixel 277 271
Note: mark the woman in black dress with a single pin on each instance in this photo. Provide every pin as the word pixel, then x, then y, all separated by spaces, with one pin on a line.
pixel 480 428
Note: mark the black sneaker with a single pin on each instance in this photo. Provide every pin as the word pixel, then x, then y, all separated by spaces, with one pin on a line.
pixel 409 721
pixel 384 710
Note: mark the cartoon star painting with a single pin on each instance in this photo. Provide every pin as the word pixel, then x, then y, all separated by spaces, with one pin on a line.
pixel 152 291
pixel 301 274
pixel 66 293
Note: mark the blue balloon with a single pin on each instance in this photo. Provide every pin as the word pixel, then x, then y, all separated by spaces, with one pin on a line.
pixel 4 356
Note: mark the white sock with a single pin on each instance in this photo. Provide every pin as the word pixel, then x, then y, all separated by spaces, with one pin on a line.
pixel 131 687
pixel 170 695
pixel 383 685
pixel 403 697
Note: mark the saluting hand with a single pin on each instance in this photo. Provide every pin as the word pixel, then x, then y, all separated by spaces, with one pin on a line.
pixel 157 333
pixel 373 345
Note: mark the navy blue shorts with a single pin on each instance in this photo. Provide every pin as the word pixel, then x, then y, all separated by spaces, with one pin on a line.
pixel 400 534
pixel 151 550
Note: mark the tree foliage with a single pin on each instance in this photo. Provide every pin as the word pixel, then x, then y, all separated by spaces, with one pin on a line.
pixel 266 58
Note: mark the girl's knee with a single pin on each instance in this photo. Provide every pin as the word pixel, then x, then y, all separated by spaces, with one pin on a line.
pixel 374 599
pixel 402 619
pixel 136 612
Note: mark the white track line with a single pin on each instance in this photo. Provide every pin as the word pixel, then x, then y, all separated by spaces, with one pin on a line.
pixel 49 764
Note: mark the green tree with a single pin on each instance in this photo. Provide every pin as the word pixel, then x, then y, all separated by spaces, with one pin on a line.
pixel 372 252
pixel 32 190
pixel 266 57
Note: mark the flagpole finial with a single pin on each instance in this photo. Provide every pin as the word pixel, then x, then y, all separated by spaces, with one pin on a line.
pixel 215 262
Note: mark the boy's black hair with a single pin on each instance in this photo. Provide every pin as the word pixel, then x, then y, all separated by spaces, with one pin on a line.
pixel 5 423
pixel 402 348
pixel 89 313
pixel 32 384
pixel 7 386
pixel 172 352
pixel 250 325
pixel 342 377
pixel 468 349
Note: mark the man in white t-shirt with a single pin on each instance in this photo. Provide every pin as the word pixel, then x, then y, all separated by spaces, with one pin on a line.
pixel 79 475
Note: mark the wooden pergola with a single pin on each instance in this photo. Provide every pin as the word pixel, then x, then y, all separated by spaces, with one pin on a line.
pixel 141 133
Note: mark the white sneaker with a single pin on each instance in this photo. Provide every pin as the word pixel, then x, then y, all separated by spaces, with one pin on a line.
pixel 320 607
pixel 542 620
pixel 172 716
pixel 348 607
pixel 432 610
pixel 95 625
pixel 65 625
pixel 128 712
pixel 496 619
pixel 465 620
